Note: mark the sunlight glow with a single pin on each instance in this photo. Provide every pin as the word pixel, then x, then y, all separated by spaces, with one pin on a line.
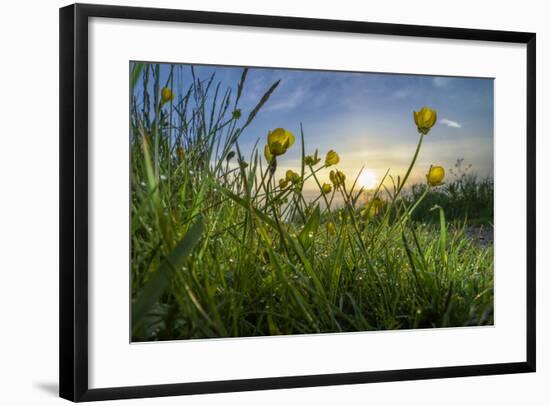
pixel 368 179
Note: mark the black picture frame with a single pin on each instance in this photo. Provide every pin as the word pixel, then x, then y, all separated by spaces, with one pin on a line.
pixel 73 281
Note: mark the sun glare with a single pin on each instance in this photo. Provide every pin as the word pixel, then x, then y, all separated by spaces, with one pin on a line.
pixel 367 179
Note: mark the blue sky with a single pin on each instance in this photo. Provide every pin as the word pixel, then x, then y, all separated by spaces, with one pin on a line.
pixel 366 117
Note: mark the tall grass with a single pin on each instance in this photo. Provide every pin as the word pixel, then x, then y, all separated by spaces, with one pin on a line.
pixel 221 248
pixel 466 198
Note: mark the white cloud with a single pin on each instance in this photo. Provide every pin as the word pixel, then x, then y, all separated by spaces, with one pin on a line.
pixel 401 94
pixel 293 99
pixel 451 123
pixel 294 91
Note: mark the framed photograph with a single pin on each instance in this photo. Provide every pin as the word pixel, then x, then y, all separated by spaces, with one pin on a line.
pixel 257 202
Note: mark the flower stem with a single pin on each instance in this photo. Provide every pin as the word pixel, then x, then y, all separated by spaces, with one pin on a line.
pixel 410 211
pixel 410 167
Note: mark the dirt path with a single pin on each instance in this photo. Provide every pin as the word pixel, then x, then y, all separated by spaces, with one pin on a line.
pixel 482 236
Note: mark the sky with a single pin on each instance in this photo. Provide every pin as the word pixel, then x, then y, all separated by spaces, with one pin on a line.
pixel 367 118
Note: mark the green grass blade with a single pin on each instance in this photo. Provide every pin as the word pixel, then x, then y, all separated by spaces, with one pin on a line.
pixel 262 101
pixel 157 284
pixel 442 233
pixel 134 75
pixel 241 85
pixel 307 234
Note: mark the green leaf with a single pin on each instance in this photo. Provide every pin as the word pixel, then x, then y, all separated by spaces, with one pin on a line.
pixel 158 283
pixel 310 228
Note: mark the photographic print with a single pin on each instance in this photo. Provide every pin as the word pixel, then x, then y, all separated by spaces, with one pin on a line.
pixel 271 201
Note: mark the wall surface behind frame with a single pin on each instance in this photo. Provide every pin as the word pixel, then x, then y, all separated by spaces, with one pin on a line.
pixel 29 202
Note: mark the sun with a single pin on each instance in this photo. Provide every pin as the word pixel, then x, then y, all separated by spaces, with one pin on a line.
pixel 367 179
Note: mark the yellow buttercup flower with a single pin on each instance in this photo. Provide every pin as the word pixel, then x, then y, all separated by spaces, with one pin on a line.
pixel 180 153
pixel 292 176
pixel 337 178
pixel 435 175
pixel 279 140
pixel 283 183
pixel 375 207
pixel 326 188
pixel 267 153
pixel 425 119
pixel 166 95
pixel 331 230
pixel 332 158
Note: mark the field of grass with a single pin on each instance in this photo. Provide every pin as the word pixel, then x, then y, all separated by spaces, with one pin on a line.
pixel 220 247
